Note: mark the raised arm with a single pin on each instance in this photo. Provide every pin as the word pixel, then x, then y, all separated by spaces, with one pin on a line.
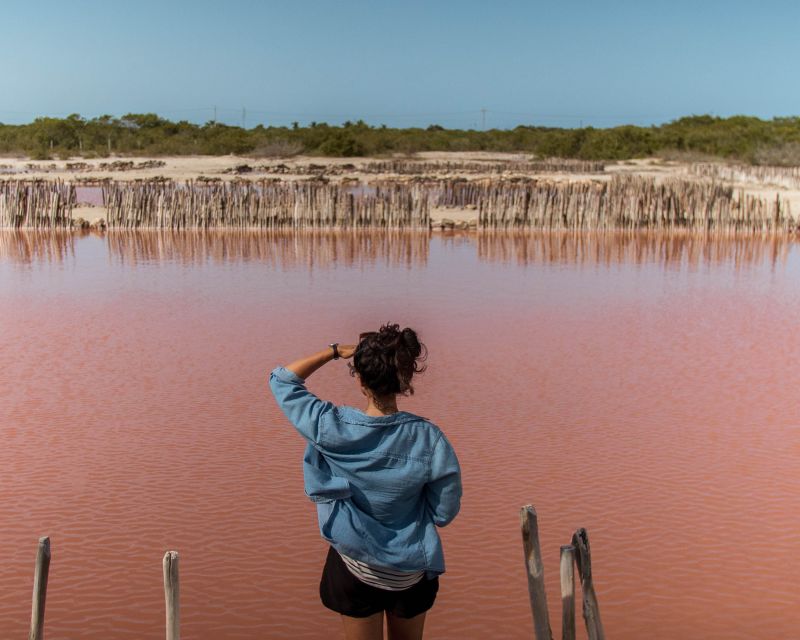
pixel 304 367
pixel 302 407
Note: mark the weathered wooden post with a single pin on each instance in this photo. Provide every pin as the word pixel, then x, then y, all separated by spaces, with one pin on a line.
pixel 568 592
pixel 535 571
pixel 40 575
pixel 591 609
pixel 172 595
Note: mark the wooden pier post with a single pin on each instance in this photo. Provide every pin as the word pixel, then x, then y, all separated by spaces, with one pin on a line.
pixel 535 571
pixel 40 575
pixel 172 595
pixel 567 592
pixel 591 609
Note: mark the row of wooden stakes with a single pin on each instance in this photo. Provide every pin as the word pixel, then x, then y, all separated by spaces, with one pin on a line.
pixel 403 167
pixel 42 572
pixel 266 205
pixel 416 167
pixel 788 177
pixel 36 204
pixel 573 555
pixel 423 168
pixel 621 203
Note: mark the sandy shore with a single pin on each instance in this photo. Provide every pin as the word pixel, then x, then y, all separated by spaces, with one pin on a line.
pixel 224 167
pixel 182 168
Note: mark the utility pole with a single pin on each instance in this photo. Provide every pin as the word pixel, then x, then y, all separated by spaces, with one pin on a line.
pixel 215 114
pixel 483 119
pixel 244 118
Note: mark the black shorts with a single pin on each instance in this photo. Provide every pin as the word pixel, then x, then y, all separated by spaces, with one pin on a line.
pixel 343 593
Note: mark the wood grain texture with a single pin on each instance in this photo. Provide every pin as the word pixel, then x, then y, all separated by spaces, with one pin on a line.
pixel 534 569
pixel 172 595
pixel 40 575
pixel 591 608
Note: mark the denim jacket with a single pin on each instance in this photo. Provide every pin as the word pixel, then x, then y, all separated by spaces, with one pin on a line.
pixel 381 484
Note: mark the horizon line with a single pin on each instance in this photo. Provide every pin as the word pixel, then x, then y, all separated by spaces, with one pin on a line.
pixel 289 120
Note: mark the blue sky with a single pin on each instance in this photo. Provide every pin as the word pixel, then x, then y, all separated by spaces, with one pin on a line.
pixel 406 63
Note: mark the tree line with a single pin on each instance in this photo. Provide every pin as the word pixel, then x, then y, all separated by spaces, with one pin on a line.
pixel 740 138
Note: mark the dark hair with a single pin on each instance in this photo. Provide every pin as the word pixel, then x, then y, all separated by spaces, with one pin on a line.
pixel 387 359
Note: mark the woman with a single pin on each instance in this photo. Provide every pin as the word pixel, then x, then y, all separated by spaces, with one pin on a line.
pixel 383 481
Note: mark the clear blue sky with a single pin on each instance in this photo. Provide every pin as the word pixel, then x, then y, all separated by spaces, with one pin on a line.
pixel 401 63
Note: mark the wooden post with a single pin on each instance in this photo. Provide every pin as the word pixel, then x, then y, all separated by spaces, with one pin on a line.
pixel 172 595
pixel 40 574
pixel 568 592
pixel 535 570
pixel 591 609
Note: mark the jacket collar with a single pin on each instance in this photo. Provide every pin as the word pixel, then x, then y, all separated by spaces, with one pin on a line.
pixel 355 416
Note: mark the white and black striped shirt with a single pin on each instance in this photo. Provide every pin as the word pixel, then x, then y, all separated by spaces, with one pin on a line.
pixel 381 577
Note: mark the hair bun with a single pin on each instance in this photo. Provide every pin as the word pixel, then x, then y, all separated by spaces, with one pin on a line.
pixel 387 359
pixel 411 342
pixel 389 331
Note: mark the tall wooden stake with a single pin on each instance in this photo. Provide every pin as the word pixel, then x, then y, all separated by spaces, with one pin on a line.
pixel 568 592
pixel 535 570
pixel 591 609
pixel 40 575
pixel 172 595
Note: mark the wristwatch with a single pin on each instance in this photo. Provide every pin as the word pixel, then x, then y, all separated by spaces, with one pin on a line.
pixel 335 347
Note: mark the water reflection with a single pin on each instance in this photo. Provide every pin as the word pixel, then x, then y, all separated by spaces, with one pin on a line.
pixel 321 248
pixel 28 246
pixel 276 248
pixel 672 250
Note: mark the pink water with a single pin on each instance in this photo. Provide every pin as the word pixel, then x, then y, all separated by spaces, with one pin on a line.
pixel 645 388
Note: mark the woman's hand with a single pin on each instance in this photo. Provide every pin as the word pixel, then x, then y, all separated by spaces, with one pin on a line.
pixel 306 366
pixel 346 351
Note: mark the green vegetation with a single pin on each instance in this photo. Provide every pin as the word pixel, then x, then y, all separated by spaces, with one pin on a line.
pixel 740 138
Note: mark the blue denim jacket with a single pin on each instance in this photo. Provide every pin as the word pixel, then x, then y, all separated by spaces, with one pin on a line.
pixel 381 484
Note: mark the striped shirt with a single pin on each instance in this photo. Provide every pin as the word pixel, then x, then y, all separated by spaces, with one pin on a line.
pixel 381 577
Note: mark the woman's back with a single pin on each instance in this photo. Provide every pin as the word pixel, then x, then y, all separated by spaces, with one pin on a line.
pixel 386 460
pixel 382 484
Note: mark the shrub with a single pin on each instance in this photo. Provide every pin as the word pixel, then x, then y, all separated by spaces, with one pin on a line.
pixel 341 144
pixel 277 148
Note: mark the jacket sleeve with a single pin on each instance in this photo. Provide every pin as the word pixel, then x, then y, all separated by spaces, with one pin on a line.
pixel 303 408
pixel 443 491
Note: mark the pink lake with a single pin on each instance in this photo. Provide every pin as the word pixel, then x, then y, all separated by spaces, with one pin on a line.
pixel 644 387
